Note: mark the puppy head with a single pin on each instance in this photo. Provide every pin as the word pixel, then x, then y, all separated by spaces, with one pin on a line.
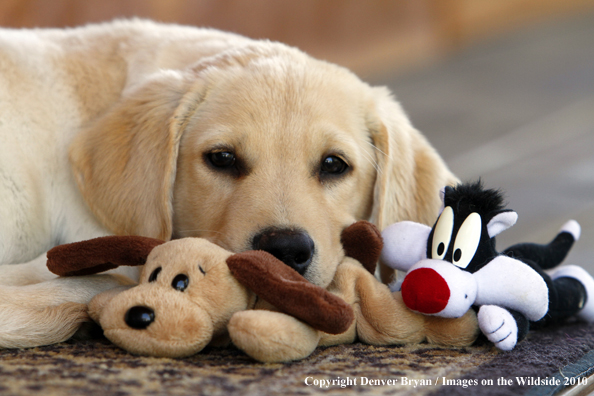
pixel 292 149
pixel 276 158
pixel 255 143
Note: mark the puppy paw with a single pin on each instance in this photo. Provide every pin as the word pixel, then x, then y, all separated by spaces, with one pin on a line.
pixel 499 326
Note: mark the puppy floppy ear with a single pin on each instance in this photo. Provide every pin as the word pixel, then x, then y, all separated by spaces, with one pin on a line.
pixel 99 254
pixel 410 172
pixel 125 162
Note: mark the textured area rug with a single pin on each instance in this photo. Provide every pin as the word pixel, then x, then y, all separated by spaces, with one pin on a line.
pixel 99 368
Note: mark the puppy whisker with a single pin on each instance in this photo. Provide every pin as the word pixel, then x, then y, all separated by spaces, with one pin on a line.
pixel 372 161
pixel 376 148
pixel 371 158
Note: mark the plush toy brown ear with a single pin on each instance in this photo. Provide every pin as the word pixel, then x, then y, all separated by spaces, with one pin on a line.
pixel 282 286
pixel 99 254
pixel 363 242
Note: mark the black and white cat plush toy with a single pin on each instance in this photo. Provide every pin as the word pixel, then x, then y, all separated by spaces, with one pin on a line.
pixel 454 266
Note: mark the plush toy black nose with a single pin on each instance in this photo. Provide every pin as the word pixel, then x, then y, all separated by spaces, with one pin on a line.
pixel 139 317
pixel 294 248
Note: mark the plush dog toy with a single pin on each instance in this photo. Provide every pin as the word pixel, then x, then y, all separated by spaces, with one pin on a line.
pixel 193 293
pixel 454 265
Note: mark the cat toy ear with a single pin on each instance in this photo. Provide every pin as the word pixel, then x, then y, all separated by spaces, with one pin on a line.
pixel 501 222
pixel 405 244
pixel 99 254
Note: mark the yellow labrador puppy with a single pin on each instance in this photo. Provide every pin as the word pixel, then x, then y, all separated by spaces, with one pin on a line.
pixel 134 127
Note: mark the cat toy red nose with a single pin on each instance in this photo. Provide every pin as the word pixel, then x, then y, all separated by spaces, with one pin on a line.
pixel 425 291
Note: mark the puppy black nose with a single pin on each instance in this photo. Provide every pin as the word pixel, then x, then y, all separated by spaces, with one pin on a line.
pixel 139 317
pixel 294 248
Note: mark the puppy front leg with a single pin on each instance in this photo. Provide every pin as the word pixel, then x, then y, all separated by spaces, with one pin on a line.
pixel 51 311
pixel 35 271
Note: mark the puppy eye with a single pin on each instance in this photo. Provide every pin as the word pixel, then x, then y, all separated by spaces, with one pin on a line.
pixel 180 282
pixel 333 165
pixel 222 159
pixel 153 276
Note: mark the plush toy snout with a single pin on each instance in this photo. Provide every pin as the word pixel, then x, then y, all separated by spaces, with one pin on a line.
pixel 139 317
pixel 435 287
pixel 147 321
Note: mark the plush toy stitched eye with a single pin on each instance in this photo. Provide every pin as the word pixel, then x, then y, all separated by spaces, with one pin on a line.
pixel 467 240
pixel 201 270
pixel 153 276
pixel 442 234
pixel 180 282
